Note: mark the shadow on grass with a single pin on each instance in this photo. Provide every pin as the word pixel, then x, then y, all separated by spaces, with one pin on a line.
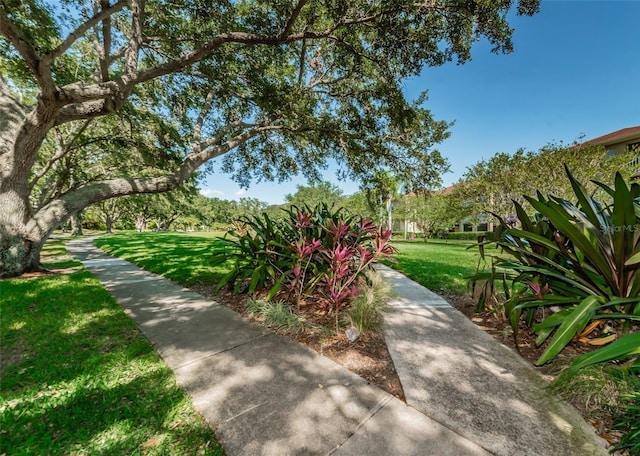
pixel 179 257
pixel 79 377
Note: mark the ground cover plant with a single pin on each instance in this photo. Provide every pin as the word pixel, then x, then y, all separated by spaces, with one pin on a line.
pixel 79 378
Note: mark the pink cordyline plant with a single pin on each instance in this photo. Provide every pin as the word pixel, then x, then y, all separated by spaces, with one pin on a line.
pixel 340 284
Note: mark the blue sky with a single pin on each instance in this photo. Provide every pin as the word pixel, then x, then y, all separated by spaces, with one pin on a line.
pixel 575 71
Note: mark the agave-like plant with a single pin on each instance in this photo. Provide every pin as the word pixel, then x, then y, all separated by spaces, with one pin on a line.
pixel 578 264
pixel 257 252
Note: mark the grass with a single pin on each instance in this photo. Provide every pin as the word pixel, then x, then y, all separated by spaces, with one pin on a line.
pixel 277 315
pixel 181 257
pixel 365 312
pixel 438 265
pixel 79 378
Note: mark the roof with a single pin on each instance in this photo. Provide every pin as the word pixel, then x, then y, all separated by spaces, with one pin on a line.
pixel 616 136
pixel 447 190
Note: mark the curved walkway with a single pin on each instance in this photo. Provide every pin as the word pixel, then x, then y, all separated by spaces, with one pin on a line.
pixel 267 395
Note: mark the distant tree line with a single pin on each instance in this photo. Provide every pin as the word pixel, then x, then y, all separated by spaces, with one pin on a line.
pixel 487 189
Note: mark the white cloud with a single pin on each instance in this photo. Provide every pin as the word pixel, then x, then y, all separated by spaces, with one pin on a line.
pixel 240 193
pixel 211 192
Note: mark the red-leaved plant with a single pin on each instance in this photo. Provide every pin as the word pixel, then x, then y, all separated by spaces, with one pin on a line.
pixel 353 249
pixel 314 256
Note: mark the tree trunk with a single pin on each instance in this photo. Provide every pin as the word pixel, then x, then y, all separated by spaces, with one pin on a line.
pixel 141 224
pixel 389 213
pixel 19 246
pixel 76 224
pixel 21 135
pixel 18 255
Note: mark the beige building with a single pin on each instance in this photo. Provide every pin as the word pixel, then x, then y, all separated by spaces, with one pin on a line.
pixel 627 139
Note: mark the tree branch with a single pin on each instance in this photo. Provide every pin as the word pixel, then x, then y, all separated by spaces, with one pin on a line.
pixel 206 48
pixel 104 50
pixel 22 45
pixel 62 152
pixel 197 132
pixel 82 29
pixel 196 159
pixel 292 19
pixel 81 92
pixel 80 111
pixel 302 62
pixel 221 132
pixel 135 40
pixel 60 209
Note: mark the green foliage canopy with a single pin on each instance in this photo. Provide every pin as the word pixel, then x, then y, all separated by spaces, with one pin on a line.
pixel 275 87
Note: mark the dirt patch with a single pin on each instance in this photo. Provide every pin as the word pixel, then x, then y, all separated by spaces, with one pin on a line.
pixel 44 273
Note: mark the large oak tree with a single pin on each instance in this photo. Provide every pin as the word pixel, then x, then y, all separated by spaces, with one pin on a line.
pixel 276 86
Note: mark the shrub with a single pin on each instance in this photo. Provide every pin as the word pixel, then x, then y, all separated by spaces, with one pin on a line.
pixel 320 253
pixel 571 268
pixel 463 235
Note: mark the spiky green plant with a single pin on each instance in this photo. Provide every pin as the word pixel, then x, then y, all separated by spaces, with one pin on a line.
pixel 258 254
pixel 573 263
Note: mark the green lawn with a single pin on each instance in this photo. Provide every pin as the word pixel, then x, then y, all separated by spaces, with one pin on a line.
pixel 182 257
pixel 79 378
pixel 439 266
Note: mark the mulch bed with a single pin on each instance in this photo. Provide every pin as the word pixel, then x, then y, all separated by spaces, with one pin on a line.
pixel 367 356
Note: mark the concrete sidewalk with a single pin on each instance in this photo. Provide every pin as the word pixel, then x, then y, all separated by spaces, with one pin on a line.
pixel 463 378
pixel 268 395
